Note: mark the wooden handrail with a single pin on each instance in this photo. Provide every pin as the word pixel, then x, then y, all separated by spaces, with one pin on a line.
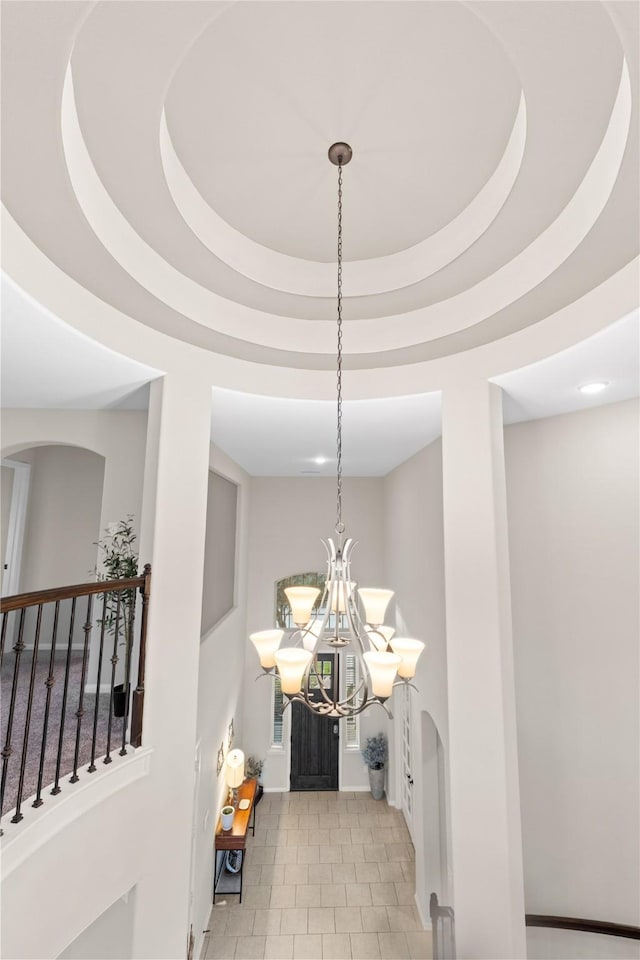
pixel 36 597
pixel 26 639
pixel 586 926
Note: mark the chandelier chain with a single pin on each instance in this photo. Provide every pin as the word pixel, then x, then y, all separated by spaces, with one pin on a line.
pixel 339 524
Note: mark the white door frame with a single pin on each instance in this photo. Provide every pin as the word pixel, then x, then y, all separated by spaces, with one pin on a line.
pixel 17 524
pixel 407 797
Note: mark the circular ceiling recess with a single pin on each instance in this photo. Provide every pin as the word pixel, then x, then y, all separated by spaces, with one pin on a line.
pixel 423 92
pixel 171 158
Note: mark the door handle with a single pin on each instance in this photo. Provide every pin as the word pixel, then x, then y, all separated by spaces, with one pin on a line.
pixel 336 730
pixel 410 779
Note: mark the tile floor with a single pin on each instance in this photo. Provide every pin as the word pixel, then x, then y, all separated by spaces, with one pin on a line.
pixel 327 875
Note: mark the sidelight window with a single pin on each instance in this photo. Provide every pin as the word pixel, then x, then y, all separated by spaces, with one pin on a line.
pixel 352 724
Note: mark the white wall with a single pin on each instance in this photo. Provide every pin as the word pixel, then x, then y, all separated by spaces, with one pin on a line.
pixel 414 568
pixel 572 484
pixel 62 445
pixel 117 435
pixel 6 491
pixel 62 868
pixel 220 690
pixel 219 554
pixel 60 529
pixel 63 516
pixel 288 518
pixel 108 937
pixel 548 944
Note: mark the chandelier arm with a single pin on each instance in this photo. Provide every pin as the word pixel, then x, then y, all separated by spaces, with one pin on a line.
pixel 331 702
pixel 405 683
pixel 386 709
pixel 337 710
pixel 305 692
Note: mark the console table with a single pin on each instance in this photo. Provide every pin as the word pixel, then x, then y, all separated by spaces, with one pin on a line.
pixel 235 839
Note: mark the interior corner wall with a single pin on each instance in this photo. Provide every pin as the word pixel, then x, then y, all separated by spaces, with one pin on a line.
pixel 63 515
pixel 572 489
pixel 6 492
pixel 414 569
pixel 288 518
pixel 116 435
pixel 219 555
pixel 220 687
pixel 110 935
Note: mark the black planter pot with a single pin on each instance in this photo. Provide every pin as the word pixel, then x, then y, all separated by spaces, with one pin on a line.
pixel 119 700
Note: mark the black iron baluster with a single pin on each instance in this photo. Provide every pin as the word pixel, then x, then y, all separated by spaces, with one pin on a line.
pixel 3 635
pixel 128 653
pixel 92 766
pixel 57 788
pixel 17 817
pixel 87 627
pixel 114 662
pixel 6 750
pixel 49 682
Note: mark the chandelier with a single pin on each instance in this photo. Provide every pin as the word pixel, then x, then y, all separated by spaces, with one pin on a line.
pixel 346 615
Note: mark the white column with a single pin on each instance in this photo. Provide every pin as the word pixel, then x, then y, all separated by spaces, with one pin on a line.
pixel 485 800
pixel 173 538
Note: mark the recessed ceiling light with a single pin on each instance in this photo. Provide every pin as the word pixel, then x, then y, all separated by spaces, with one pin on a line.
pixel 593 387
pixel 320 460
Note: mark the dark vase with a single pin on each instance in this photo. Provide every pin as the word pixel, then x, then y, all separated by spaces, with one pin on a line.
pixel 119 700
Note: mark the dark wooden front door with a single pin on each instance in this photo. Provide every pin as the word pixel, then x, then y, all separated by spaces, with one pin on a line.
pixel 314 739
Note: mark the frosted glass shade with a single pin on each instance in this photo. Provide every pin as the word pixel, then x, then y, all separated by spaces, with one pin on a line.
pixel 375 603
pixel 409 650
pixel 266 643
pixel 235 768
pixel 292 663
pixel 301 601
pixel 382 670
pixel 339 593
pixel 380 638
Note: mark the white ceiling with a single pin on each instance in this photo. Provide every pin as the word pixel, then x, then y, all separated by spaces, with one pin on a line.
pixel 270 436
pixel 164 165
pixel 170 157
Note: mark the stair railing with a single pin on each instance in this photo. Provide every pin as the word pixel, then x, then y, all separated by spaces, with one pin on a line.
pixel 442 923
pixel 443 932
pixel 605 927
pixel 29 622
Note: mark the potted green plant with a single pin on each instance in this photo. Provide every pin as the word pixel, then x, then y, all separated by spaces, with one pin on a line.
pixel 253 771
pixel 375 755
pixel 254 768
pixel 118 559
pixel 226 816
